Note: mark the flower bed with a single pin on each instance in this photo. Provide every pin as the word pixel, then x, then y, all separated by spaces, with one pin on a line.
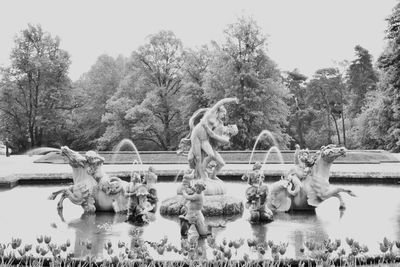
pixel 193 252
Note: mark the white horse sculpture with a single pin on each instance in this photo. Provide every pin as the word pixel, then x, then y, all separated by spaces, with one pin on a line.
pixel 307 185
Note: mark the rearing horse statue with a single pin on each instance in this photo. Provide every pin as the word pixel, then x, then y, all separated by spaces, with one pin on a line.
pixel 307 185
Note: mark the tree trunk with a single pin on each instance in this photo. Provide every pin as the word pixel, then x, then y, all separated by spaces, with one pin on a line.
pixel 344 130
pixel 329 130
pixel 337 129
pixel 300 131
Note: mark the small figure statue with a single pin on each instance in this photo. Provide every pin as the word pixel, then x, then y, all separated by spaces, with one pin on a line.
pixel 150 180
pixel 140 200
pixel 187 181
pixel 255 178
pixel 194 215
pixel 256 195
pixel 138 212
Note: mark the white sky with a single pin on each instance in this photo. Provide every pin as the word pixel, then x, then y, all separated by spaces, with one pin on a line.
pixel 303 34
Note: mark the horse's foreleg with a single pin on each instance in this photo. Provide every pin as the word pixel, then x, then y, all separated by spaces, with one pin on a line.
pixel 60 203
pixel 334 192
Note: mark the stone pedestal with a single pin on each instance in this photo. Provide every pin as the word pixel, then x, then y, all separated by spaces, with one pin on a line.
pixel 216 205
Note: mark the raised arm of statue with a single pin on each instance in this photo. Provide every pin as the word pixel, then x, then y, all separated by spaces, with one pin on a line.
pixel 223 101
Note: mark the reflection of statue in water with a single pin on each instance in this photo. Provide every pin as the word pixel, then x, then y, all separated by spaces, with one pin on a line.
pixel 306 185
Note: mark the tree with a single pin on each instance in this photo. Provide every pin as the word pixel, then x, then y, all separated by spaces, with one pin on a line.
pixel 196 63
pixel 325 95
pixel 295 82
pixel 35 90
pixel 156 116
pixel 93 90
pixel 389 64
pixel 368 133
pixel 241 68
pixel 361 79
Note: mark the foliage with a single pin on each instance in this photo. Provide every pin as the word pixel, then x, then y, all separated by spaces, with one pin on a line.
pixel 241 68
pixel 367 130
pixel 326 97
pixel 196 64
pixel 156 118
pixel 389 64
pixel 93 90
pixel 35 90
pixel 300 116
pixel 361 79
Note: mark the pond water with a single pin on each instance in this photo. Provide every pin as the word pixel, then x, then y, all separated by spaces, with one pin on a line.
pixel 372 215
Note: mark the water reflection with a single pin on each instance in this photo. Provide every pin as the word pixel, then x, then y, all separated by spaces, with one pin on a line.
pixel 374 214
pixel 95 228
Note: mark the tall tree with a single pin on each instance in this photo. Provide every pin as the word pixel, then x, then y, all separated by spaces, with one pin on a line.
pixel 157 117
pixel 93 89
pixel 325 94
pixel 361 79
pixel 242 68
pixel 196 63
pixel 389 65
pixel 295 82
pixel 35 89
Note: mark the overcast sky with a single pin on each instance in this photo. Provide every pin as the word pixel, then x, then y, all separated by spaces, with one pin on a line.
pixel 303 34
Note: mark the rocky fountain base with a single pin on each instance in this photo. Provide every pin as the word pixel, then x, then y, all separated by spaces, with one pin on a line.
pixel 216 202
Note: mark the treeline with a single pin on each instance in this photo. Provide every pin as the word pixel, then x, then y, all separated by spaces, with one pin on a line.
pixel 149 96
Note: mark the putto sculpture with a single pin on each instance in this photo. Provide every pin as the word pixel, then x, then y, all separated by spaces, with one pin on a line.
pixel 306 185
pixel 256 195
pixel 95 191
pixel 194 215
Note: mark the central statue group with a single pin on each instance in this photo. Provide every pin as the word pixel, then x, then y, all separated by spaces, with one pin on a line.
pixel 207 134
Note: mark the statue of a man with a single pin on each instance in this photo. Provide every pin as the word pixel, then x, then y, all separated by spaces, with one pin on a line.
pixel 200 138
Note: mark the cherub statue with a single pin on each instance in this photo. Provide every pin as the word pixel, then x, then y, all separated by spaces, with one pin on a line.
pixel 255 178
pixel 256 195
pixel 187 187
pixel 194 215
pixel 140 206
pixel 150 180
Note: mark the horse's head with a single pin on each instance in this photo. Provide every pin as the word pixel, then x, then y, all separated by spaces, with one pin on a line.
pixel 75 159
pixel 330 152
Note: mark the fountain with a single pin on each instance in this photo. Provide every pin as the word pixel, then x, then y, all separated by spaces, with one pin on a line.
pixel 201 196
pixel 207 133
